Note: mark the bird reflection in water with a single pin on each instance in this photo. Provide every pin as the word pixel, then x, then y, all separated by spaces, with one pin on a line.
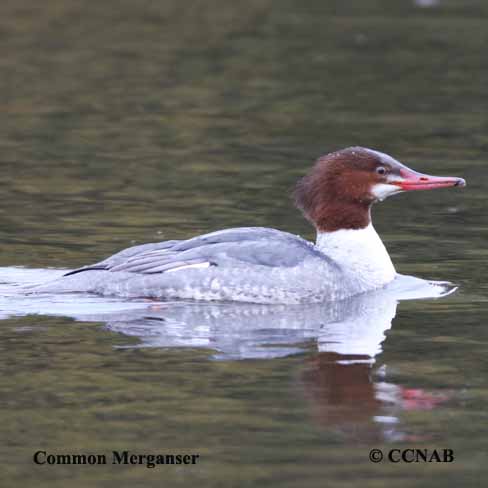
pixel 346 389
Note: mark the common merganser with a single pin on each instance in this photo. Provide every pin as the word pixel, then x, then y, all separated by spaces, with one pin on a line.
pixel 261 265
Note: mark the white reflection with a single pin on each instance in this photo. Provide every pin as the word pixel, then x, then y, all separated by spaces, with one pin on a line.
pixel 352 327
pixel 343 388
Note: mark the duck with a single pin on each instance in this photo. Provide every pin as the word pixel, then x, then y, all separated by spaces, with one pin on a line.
pixel 266 265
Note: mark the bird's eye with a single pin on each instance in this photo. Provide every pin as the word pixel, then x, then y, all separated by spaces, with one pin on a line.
pixel 381 170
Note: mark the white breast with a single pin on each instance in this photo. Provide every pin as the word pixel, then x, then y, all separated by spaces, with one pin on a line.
pixel 361 254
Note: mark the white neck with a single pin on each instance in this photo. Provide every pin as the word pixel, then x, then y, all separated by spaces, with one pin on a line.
pixel 360 253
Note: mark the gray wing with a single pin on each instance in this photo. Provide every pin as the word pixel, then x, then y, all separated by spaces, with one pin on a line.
pixel 124 255
pixel 230 247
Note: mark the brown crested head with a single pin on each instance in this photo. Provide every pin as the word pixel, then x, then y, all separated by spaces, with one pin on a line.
pixel 340 188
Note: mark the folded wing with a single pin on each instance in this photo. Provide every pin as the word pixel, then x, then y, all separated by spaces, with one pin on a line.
pixel 235 248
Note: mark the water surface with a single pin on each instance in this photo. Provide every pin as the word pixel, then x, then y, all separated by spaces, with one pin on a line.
pixel 125 123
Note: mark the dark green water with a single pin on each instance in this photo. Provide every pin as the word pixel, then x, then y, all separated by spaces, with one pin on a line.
pixel 129 122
